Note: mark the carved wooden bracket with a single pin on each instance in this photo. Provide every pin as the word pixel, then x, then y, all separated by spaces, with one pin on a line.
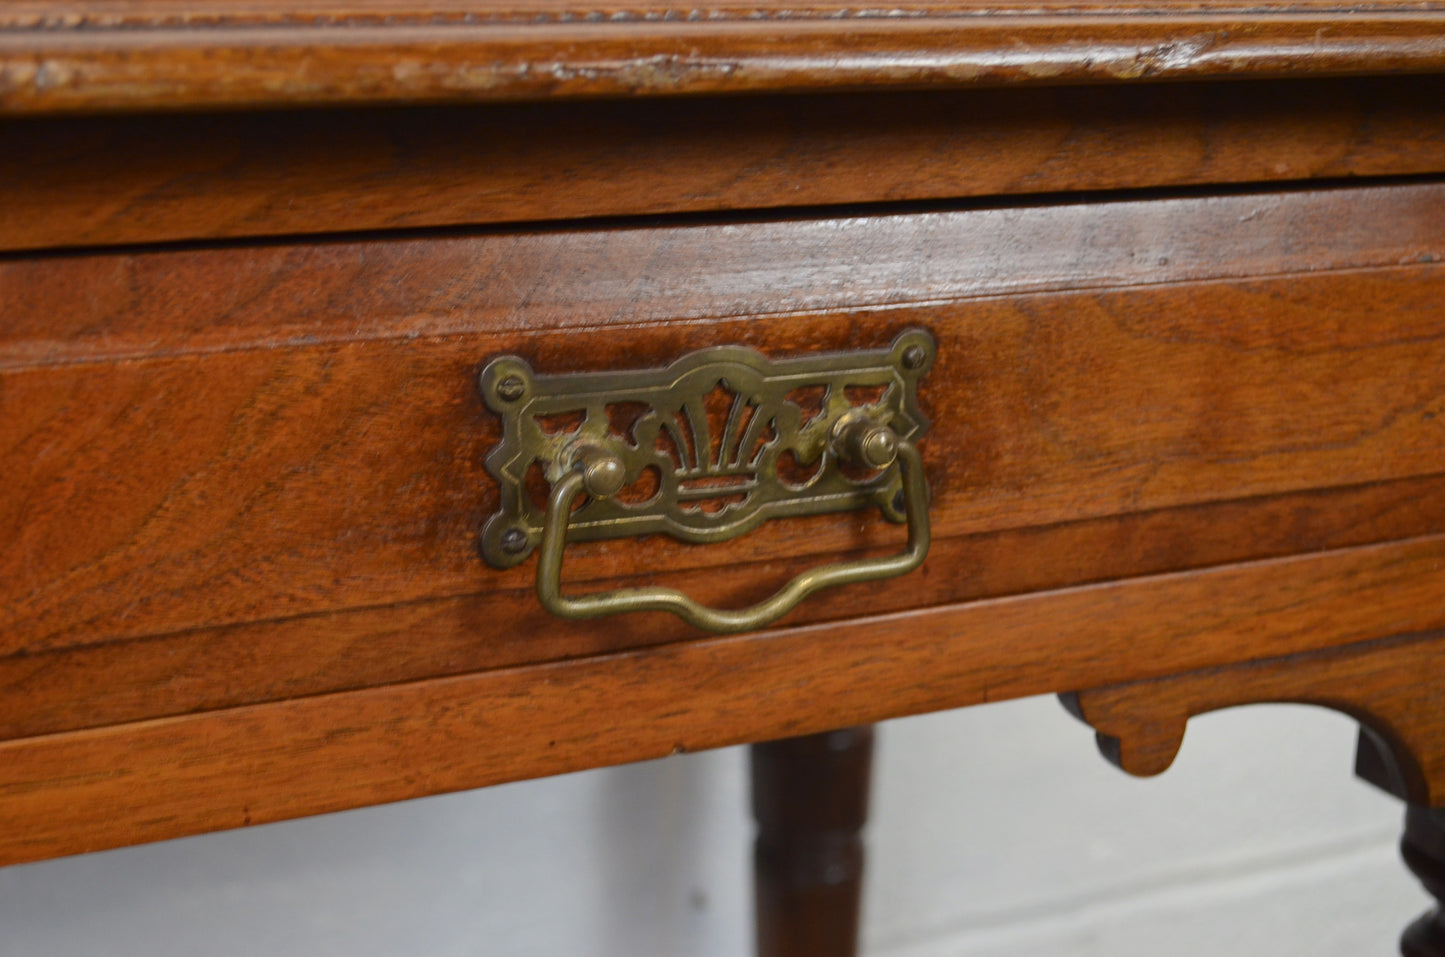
pixel 1395 688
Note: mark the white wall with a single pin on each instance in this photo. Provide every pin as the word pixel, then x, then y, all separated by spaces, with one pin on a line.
pixel 996 831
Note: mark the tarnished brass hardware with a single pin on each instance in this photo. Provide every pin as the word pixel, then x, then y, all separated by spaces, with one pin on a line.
pixel 852 448
pixel 565 493
pixel 860 440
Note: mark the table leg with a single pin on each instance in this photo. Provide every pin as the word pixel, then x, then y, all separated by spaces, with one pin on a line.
pixel 810 798
pixel 1423 848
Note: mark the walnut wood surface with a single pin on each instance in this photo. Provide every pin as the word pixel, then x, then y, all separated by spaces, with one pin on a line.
pixel 268 432
pixel 214 667
pixel 323 439
pixel 1187 448
pixel 73 60
pixel 810 799
pixel 139 179
pixel 635 279
pixel 151 780
pixel 1386 685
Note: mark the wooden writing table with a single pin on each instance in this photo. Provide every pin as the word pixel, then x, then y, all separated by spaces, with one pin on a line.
pixel 1180 267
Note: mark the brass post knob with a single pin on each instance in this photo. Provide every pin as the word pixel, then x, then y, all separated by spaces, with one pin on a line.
pixel 859 440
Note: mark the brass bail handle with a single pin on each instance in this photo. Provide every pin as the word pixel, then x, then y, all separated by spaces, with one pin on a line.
pixel 857 439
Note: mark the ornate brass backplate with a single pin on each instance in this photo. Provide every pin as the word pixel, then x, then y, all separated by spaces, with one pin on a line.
pixel 707 448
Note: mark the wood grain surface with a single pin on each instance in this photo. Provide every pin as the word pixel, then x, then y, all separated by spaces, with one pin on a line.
pixel 650 281
pixel 93 56
pixel 1187 443
pixel 86 790
pixel 244 481
pixel 1386 685
pixel 104 682
pixel 142 179
pixel 254 433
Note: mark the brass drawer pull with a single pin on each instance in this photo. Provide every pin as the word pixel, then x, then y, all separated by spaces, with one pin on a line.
pixel 852 447
pixel 576 482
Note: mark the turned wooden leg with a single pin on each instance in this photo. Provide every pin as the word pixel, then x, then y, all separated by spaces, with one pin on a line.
pixel 1423 848
pixel 810 798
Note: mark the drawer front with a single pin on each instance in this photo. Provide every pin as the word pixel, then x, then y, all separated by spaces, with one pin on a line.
pixel 244 474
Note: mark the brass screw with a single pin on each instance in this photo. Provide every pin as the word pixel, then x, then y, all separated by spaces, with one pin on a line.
pixel 914 357
pixel 514 541
pixel 511 388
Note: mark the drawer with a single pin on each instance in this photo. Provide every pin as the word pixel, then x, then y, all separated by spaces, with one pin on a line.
pixel 241 475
